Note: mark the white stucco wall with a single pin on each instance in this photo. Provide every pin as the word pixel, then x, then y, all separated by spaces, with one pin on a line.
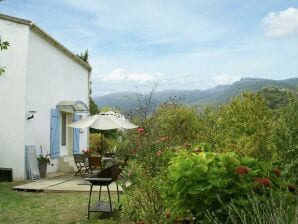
pixel 12 97
pixel 52 77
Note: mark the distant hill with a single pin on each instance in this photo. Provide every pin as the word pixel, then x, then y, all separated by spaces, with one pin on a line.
pixel 127 101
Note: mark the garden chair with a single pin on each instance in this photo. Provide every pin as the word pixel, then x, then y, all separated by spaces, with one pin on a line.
pixel 81 164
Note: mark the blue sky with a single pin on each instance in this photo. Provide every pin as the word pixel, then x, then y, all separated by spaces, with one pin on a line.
pixel 189 44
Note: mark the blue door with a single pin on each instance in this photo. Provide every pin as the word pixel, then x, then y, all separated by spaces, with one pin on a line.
pixel 76 136
pixel 55 133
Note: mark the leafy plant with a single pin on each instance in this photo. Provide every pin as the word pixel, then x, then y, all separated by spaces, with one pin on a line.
pixel 142 202
pixel 199 181
pixel 279 208
pixel 285 139
pixel 44 159
pixel 97 143
pixel 3 46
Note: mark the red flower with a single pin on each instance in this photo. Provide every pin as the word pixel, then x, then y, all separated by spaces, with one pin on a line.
pixel 140 130
pixel 241 170
pixel 277 172
pixel 134 151
pixel 263 181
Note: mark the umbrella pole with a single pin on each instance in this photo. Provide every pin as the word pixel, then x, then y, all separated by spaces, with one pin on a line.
pixel 101 141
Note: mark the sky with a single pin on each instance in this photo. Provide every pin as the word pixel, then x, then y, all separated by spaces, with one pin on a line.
pixel 178 44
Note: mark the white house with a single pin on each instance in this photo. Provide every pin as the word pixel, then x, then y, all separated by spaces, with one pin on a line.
pixel 45 87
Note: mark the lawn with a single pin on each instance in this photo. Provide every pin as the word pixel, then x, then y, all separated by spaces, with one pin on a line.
pixel 32 207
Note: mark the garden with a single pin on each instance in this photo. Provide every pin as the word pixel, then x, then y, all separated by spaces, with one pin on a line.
pixel 232 163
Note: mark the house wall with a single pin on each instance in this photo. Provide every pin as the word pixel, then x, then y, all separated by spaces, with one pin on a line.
pixel 12 97
pixel 51 77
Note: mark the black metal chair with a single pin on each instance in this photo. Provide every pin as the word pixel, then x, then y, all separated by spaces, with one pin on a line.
pixel 103 178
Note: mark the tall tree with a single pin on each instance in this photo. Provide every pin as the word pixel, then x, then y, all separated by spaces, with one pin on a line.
pixel 84 56
pixel 93 107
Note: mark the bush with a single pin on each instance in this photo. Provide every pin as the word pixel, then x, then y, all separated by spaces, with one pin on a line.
pixel 285 139
pixel 174 123
pixel 97 144
pixel 142 202
pixel 279 208
pixel 243 126
pixel 199 181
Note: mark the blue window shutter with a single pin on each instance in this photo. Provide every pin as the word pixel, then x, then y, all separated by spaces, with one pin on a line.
pixel 76 136
pixel 55 133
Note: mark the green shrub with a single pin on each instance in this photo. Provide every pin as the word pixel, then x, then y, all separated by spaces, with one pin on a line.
pixel 97 144
pixel 174 124
pixel 285 139
pixel 279 208
pixel 244 126
pixel 142 201
pixel 197 182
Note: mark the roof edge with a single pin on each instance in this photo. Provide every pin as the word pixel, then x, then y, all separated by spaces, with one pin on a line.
pixel 49 38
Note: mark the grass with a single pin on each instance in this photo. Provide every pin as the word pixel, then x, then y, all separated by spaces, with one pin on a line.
pixel 32 207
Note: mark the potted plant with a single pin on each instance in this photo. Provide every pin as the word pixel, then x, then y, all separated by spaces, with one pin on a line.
pixel 43 162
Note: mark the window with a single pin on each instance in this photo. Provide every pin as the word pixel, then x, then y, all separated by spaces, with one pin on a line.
pixel 63 129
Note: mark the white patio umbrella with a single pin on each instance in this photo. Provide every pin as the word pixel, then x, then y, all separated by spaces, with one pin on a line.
pixel 104 121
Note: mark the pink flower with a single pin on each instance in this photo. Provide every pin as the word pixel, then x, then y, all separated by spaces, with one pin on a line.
pixel 85 151
pixel 140 130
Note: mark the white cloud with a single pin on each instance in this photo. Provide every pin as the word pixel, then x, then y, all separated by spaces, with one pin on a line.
pixel 284 23
pixel 225 79
pixel 121 75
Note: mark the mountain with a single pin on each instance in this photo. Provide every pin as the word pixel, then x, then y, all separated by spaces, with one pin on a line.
pixel 128 101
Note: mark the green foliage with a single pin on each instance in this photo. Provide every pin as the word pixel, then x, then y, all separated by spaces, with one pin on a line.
pixel 209 131
pixel 175 123
pixel 142 202
pixel 93 107
pixel 285 139
pixel 84 56
pixel 197 182
pixel 279 208
pixel 44 159
pixel 275 97
pixel 243 126
pixel 97 143
pixel 3 46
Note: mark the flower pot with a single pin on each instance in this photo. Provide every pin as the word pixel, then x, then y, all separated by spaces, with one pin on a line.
pixel 42 169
